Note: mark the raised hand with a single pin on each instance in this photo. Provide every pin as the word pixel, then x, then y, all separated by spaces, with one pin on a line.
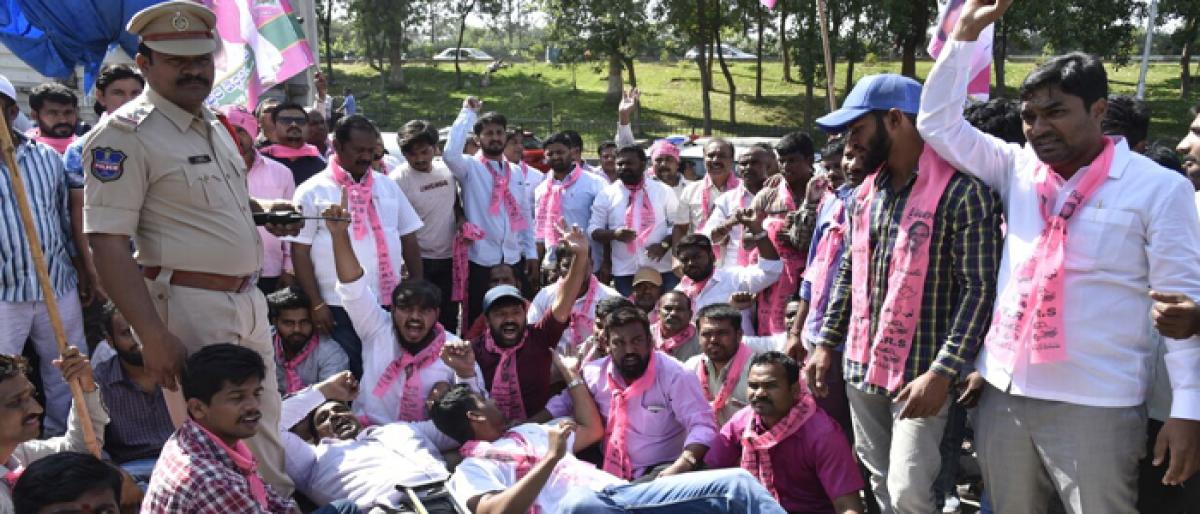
pixel 559 436
pixel 817 186
pixel 336 215
pixel 629 102
pixel 976 15
pixel 473 104
pixel 341 387
pixel 460 358
pixel 574 236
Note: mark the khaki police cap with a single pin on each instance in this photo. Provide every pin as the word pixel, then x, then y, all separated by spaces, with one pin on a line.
pixel 178 27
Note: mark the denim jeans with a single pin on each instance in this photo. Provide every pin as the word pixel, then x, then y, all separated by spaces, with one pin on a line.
pixel 338 507
pixel 140 470
pixel 719 491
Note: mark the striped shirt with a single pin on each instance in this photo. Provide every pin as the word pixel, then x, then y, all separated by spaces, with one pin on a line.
pixel 42 171
pixel 960 286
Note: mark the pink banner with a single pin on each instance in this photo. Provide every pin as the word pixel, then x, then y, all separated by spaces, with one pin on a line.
pixel 263 45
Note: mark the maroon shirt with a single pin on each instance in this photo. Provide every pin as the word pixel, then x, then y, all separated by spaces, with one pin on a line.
pixel 534 361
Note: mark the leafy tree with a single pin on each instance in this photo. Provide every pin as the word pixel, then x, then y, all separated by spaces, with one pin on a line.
pixel 611 29
pixel 1188 36
pixel 382 26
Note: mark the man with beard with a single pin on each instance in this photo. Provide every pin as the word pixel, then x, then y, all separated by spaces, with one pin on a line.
pixel 491 192
pixel 634 217
pixel 1189 146
pixel 705 284
pixel 140 422
pixel 339 457
pixel 583 309
pixel 402 351
pixel 266 178
pixel 786 441
pixel 909 303
pixel 723 366
pixel 596 345
pixel 1125 225
pixel 567 193
pixel 722 226
pixel 291 146
pixel 55 108
pixel 699 200
pixel 824 260
pixel 515 357
pixel 165 172
pixel 664 155
pixel 657 421
pixel 673 333
pixel 302 355
pixel 384 236
pixel 317 133
pixel 432 189
pixel 20 421
pixel 206 466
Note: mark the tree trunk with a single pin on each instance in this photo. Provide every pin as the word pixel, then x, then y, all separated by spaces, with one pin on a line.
pixel 809 79
pixel 629 67
pixel 327 23
pixel 462 27
pixel 758 66
pixel 849 73
pixel 913 39
pixel 999 54
pixel 433 27
pixel 783 46
pixel 396 59
pixel 1185 57
pixel 724 66
pixel 615 85
pixel 702 60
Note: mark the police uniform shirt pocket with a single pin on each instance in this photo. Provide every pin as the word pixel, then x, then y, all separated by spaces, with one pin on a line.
pixel 204 174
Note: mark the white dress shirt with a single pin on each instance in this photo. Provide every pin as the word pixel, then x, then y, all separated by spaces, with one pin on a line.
pixel 1138 232
pixel 364 470
pixel 724 208
pixel 543 303
pixel 577 203
pixel 396 216
pixel 608 212
pixel 380 348
pixel 502 243
pixel 726 281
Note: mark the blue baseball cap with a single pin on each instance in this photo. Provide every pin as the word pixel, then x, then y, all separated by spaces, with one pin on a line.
pixel 496 293
pixel 881 92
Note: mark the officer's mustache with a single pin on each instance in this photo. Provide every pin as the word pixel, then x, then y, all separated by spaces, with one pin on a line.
pixel 190 79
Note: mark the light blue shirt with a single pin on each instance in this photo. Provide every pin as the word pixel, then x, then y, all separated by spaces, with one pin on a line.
pixel 577 203
pixel 42 171
pixel 502 243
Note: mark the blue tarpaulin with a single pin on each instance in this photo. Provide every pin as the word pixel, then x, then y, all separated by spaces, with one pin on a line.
pixel 55 36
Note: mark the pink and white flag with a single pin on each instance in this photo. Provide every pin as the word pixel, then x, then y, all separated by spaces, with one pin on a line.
pixel 262 45
pixel 981 61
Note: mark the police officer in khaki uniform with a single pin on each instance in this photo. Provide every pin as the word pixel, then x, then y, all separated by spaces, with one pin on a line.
pixel 165 171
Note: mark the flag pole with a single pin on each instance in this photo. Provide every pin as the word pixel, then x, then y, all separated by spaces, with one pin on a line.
pixel 39 264
pixel 823 20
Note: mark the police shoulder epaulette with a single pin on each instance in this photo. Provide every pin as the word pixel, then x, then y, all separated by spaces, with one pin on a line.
pixel 130 118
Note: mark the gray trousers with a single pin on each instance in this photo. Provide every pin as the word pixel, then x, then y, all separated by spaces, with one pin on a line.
pixel 1031 450
pixel 902 456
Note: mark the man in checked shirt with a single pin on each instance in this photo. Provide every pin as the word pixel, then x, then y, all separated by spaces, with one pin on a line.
pixel 913 296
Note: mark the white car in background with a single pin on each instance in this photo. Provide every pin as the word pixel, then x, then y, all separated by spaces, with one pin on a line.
pixel 730 53
pixel 464 54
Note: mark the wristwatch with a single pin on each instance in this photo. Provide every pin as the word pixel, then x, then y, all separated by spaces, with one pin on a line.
pixel 574 382
pixel 665 244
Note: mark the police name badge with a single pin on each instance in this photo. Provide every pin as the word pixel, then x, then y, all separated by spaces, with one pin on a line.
pixel 107 164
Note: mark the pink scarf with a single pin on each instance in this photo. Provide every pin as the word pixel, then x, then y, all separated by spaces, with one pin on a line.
pixel 287 152
pixel 772 304
pixel 745 256
pixel 756 447
pixel 506 382
pixel 59 144
pixel 645 219
pixel 502 194
pixel 1028 318
pixel 523 458
pixel 691 288
pixel 467 233
pixel 412 403
pixel 244 461
pixel 361 211
pixel 890 345
pixel 582 316
pixel 12 476
pixel 617 460
pixel 706 194
pixel 669 344
pixel 733 371
pixel 291 373
pixel 828 248
pixel 550 209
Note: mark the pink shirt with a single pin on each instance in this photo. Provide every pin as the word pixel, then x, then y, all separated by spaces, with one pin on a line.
pixel 812 466
pixel 670 415
pixel 270 180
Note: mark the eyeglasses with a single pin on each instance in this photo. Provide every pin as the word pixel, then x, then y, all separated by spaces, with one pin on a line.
pixel 291 120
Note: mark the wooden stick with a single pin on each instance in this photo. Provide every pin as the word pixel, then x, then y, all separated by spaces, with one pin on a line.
pixel 828 55
pixel 39 263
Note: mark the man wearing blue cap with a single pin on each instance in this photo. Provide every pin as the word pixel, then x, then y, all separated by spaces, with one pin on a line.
pixel 1095 231
pixel 516 357
pixel 913 295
